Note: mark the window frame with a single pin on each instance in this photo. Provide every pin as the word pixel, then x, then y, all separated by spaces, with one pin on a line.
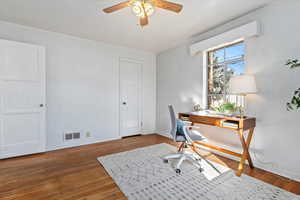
pixel 207 65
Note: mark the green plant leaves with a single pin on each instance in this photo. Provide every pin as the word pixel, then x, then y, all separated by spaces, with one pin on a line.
pixel 295 101
pixel 226 107
pixel 292 63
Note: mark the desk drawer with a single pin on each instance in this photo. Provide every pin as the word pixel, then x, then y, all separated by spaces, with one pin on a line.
pixel 205 120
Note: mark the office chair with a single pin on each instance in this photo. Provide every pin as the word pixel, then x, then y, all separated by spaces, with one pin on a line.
pixel 186 136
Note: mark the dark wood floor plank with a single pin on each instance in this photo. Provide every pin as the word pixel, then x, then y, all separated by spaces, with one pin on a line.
pixel 75 174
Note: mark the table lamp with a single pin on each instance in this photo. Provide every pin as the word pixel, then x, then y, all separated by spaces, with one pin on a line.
pixel 242 85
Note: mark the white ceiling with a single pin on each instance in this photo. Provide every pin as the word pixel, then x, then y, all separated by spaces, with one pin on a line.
pixel 84 18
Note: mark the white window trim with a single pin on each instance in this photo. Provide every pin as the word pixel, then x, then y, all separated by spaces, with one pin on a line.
pixel 230 37
pixel 205 70
pixel 205 81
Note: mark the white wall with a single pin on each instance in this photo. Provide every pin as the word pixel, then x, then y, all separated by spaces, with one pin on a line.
pixel 276 144
pixel 83 85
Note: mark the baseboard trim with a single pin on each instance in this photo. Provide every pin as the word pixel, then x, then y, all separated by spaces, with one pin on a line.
pixel 66 146
pixel 82 143
pixel 164 133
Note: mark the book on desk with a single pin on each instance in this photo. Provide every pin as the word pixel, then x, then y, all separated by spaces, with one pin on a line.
pixel 230 124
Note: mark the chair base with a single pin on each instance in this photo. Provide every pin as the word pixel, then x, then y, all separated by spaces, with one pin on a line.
pixel 182 156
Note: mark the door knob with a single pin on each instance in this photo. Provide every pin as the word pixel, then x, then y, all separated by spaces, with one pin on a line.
pixel 41 105
pixel 124 103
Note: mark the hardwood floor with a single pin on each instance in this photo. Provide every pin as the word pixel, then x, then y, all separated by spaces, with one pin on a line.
pixel 75 174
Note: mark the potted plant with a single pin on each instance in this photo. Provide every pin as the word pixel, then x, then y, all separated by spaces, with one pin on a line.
pixel 295 101
pixel 226 108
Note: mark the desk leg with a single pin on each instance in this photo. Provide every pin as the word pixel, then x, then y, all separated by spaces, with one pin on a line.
pixel 246 154
pixel 249 138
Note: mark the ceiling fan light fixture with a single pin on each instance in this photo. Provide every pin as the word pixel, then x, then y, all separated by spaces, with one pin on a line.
pixel 138 10
pixel 145 8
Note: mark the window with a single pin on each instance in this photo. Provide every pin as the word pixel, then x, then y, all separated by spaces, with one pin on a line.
pixel 223 63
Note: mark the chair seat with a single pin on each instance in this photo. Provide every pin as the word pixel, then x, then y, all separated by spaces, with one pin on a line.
pixel 194 135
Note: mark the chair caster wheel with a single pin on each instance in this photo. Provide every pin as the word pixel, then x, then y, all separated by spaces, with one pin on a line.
pixel 201 169
pixel 165 161
pixel 178 171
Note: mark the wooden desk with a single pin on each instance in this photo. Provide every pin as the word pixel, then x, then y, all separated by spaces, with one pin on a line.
pixel 246 124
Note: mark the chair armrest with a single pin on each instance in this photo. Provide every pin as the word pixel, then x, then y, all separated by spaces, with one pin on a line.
pixel 186 133
pixel 188 123
pixel 187 130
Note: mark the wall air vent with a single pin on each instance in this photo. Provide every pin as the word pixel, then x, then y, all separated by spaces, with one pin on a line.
pixel 72 136
pixel 76 135
pixel 68 136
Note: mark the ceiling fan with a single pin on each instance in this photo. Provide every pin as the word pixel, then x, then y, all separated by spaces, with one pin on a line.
pixel 145 8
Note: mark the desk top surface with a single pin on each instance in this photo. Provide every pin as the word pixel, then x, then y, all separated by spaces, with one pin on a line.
pixel 207 114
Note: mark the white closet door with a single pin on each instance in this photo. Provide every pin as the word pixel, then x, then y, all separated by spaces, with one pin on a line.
pixel 22 99
pixel 130 97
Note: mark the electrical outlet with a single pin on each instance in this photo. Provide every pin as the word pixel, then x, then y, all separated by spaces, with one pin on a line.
pixel 88 134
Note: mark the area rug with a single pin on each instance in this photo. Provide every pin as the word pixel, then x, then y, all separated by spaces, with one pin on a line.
pixel 141 174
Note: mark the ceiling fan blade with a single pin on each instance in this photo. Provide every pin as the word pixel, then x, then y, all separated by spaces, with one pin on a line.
pixel 144 21
pixel 117 7
pixel 168 5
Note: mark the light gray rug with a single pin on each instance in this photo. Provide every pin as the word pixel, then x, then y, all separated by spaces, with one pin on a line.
pixel 142 175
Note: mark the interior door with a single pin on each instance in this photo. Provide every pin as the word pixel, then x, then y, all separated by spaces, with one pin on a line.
pixel 22 99
pixel 130 97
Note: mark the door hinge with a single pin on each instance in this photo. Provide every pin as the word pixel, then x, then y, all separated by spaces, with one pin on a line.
pixel 141 124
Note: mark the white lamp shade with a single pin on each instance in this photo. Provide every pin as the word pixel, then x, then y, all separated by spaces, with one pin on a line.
pixel 242 84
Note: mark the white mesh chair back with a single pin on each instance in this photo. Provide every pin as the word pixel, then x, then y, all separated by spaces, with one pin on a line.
pixel 173 122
